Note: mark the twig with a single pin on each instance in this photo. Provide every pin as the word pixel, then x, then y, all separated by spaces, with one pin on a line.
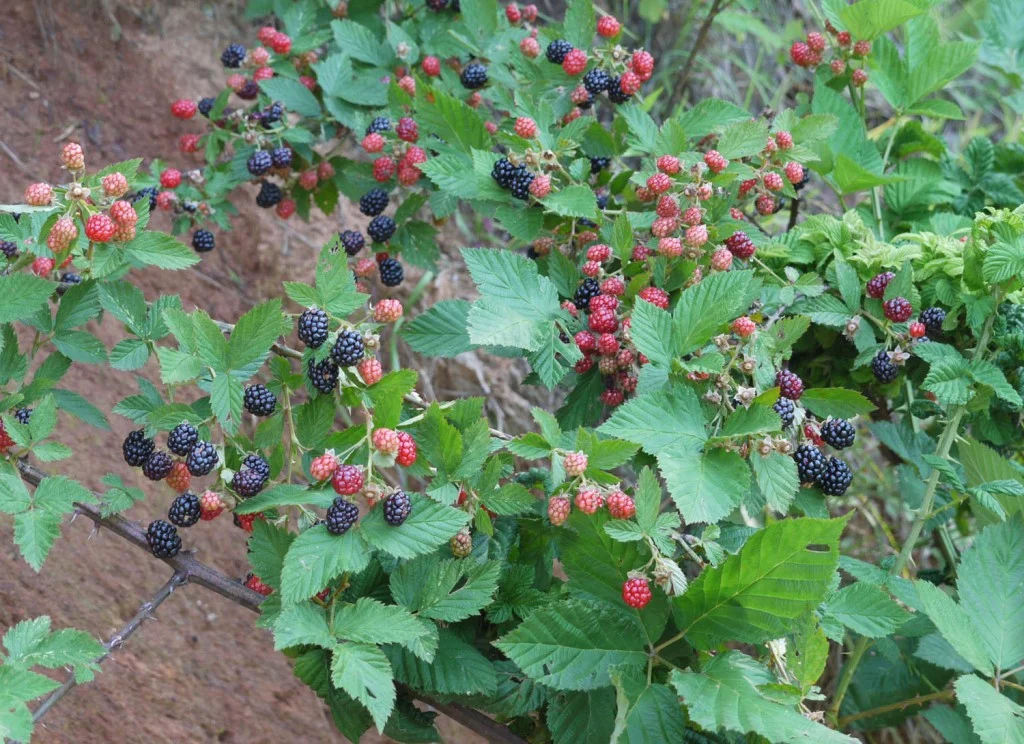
pixel 716 7
pixel 117 640
pixel 193 571
pixel 919 700
pixel 17 161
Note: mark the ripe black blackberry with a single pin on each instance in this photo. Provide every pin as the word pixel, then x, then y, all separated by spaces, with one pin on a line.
pixel 599 164
pixel 585 292
pixel 247 483
pixel 185 510
pixel 391 272
pixel 258 465
pixel 348 348
pixel 259 162
pixel 23 415
pixel 323 376
pixel 557 50
pixel 259 401
pixel 602 201
pixel 281 157
pixel 380 124
pixel 202 459
pixel 352 241
pixel 313 326
pixel 249 91
pixel 520 187
pixel 596 81
pixel 785 408
pixel 615 93
pixel 182 438
pixel 373 202
pixel 233 56
pixel 163 539
pixel 933 318
pixel 473 76
pixel 810 463
pixel 206 105
pixel 69 277
pixel 203 241
pixel 503 172
pixel 884 368
pixel 269 196
pixel 381 228
pixel 836 478
pixel 150 193
pixel 157 465
pixel 838 433
pixel 341 515
pixel 9 249
pixel 273 113
pixel 137 447
pixel 190 206
pixel 790 384
pixel 397 508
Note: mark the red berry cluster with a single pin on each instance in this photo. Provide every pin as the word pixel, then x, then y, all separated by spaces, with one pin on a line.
pixel 845 52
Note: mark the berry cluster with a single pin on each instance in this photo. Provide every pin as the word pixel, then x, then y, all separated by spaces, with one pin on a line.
pixel 847 57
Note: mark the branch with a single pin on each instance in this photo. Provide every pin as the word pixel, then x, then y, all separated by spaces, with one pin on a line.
pixel 189 570
pixel 716 7
pixel 901 705
pixel 116 641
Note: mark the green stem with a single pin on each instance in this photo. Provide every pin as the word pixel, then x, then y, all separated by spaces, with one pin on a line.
pixel 946 440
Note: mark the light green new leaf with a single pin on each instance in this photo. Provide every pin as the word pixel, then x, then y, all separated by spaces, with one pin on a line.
pixel 726 696
pixel 364 672
pixel 777 478
pixel 991 584
pixel 705 487
pixel 867 610
pixel 160 250
pixel 1004 261
pixel 996 718
pixel 651 331
pixel 370 621
pixel 23 294
pixel 315 557
pixel 781 572
pixel 835 402
pixel 659 421
pixel 428 526
pixel 704 309
pixel 955 625
pixel 867 19
pixel 572 645
pixel 301 624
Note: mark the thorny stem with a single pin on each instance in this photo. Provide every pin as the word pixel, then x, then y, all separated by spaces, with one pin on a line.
pixel 144 613
pixel 919 700
pixel 193 571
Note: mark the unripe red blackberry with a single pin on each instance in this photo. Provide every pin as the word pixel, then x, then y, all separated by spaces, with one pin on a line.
pixel 210 505
pixel 588 500
pixel 386 441
pixel 654 295
pixel 528 46
pixel 170 178
pixel 575 464
pixel 859 77
pixel 765 205
pixel 540 186
pixel 407 451
pixel 114 185
pixel 461 543
pixel 643 64
pixel 179 478
pixel 183 108
pixel 526 127
pixel 659 183
pixel 636 592
pixel 620 505
pixel 558 510
pixel 323 466
pixel 801 54
pixel 575 62
pixel 816 42
pixel 608 27
pixel 862 48
pixel 431 66
pixel 784 140
pixel 39 194
pixel 669 164
pixel 407 129
pixel 743 327
pixel 773 181
pixel 72 157
pixel 917 330
pixel 62 234
pixel 370 370
pixel 254 582
pixel 696 235
pixel 715 162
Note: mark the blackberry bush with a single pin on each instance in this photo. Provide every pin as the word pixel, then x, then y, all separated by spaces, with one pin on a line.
pixel 705 316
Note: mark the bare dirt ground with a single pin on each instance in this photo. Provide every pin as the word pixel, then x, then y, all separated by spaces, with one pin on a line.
pixel 201 672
